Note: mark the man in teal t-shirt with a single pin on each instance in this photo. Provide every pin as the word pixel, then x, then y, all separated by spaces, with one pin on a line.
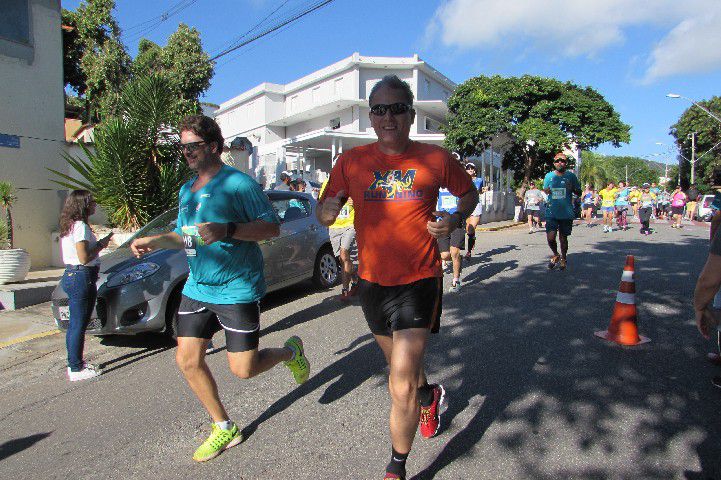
pixel 560 185
pixel 222 215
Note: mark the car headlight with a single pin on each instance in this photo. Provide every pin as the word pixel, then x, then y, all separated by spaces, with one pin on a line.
pixel 132 274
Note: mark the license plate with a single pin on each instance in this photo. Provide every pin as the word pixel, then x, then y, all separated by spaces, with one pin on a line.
pixel 64 313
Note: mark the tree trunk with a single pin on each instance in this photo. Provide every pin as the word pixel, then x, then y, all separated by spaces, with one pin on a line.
pixel 9 220
pixel 528 165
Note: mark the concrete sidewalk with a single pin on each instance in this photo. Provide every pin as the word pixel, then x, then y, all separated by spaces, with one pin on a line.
pixel 17 326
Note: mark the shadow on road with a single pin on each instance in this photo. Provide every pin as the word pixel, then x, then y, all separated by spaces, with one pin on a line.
pixel 153 344
pixel 17 445
pixel 522 362
pixel 362 361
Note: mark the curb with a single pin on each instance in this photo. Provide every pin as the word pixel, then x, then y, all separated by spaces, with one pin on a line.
pixel 502 227
pixel 27 338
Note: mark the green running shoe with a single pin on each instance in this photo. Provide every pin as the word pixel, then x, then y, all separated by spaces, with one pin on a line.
pixel 218 441
pixel 299 366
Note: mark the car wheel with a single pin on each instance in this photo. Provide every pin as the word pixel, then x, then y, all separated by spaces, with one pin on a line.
pixel 171 314
pixel 327 271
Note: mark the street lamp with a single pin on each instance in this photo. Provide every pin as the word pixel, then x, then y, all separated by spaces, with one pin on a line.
pixel 708 112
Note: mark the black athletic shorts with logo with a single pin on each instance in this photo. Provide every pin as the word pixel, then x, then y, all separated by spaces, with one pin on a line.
pixel 241 322
pixel 414 305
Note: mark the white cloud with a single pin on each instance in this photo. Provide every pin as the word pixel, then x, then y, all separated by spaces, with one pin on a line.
pixel 694 45
pixel 586 27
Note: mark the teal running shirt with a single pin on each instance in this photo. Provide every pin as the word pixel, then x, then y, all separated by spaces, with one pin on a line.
pixel 228 271
pixel 560 204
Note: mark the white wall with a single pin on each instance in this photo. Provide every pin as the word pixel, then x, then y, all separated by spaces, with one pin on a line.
pixel 430 89
pixel 371 76
pixel 323 121
pixel 32 89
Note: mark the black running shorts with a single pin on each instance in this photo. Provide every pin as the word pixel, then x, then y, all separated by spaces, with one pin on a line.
pixel 414 305
pixel 457 239
pixel 241 322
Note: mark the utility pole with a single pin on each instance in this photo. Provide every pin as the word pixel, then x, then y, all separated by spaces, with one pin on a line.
pixel 693 157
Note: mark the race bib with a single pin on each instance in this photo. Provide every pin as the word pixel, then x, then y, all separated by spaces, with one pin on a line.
pixel 344 212
pixel 449 202
pixel 191 240
pixel 558 193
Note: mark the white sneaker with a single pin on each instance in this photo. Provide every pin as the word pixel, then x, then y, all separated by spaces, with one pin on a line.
pixel 210 348
pixel 88 371
pixel 455 287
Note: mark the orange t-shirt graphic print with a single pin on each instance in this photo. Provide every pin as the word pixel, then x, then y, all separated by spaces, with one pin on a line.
pixel 394 196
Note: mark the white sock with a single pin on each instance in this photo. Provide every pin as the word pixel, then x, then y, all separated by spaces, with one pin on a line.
pixel 226 425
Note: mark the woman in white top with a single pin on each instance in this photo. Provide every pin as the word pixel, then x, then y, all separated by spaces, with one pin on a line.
pixel 80 251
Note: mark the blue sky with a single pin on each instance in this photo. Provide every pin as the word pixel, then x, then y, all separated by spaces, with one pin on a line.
pixel 632 52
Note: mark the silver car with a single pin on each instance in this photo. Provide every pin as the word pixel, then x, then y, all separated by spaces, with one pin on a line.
pixel 142 295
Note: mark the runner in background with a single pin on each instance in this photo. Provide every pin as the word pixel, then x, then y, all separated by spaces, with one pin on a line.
pixel 622 206
pixel 647 202
pixel 452 244
pixel 588 202
pixel 532 201
pixel 342 239
pixel 608 198
pixel 678 202
pixel 475 218
pixel 633 198
pixel 560 185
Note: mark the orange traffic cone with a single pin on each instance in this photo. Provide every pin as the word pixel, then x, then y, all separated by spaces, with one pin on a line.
pixel 623 328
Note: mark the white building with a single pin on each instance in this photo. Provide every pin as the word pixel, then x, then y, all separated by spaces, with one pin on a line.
pixel 302 125
pixel 31 118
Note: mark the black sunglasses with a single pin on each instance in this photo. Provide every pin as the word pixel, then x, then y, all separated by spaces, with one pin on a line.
pixel 191 147
pixel 380 109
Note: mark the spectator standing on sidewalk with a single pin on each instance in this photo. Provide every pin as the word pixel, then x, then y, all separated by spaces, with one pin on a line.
pixel 81 250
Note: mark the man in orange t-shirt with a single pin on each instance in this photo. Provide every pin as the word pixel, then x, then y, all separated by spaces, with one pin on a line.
pixel 394 185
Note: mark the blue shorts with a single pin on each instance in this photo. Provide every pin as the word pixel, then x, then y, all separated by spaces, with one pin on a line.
pixel 608 209
pixel 563 226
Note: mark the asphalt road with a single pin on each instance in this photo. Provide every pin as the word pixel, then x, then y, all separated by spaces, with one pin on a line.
pixel 533 393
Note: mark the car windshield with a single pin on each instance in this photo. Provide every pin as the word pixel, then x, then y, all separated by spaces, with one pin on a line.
pixel 163 223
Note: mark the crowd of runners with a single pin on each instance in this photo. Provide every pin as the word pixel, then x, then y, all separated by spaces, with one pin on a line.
pixel 425 201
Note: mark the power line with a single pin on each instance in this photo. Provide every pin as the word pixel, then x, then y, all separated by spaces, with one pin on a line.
pixel 273 28
pixel 155 22
pixel 239 38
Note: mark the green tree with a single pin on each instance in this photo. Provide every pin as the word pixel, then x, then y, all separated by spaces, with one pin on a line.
pixel 96 61
pixel 708 133
pixel 183 58
pixel 615 168
pixel 136 168
pixel 537 116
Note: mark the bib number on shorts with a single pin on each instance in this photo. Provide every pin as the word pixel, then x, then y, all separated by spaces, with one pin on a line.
pixel 191 240
pixel 558 193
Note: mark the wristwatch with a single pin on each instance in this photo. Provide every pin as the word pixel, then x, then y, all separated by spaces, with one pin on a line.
pixel 231 229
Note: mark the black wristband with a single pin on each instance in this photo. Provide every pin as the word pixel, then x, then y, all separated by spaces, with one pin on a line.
pixel 231 229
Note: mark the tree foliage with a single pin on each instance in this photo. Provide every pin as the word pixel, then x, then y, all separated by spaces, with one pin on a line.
pixel 183 58
pixel 97 66
pixel 136 168
pixel 708 133
pixel 598 170
pixel 538 117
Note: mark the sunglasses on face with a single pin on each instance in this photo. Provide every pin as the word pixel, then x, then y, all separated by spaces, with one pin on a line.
pixel 380 109
pixel 190 147
pixel 562 160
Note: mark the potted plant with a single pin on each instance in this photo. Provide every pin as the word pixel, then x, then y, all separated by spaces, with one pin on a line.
pixel 14 262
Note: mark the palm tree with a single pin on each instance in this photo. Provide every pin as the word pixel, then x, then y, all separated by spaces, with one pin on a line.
pixel 136 168
pixel 593 171
pixel 7 199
